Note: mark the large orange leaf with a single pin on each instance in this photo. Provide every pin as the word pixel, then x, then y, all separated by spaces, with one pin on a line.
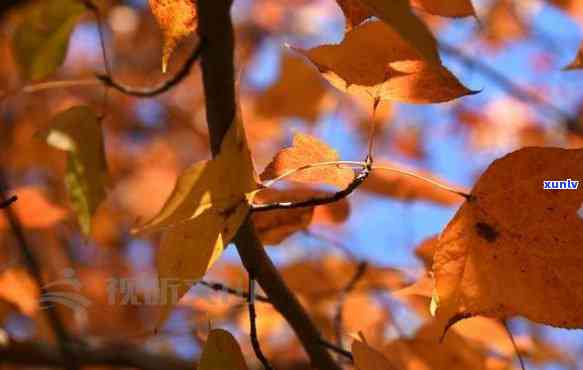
pixel 33 209
pixel 375 61
pixel 514 248
pixel 306 150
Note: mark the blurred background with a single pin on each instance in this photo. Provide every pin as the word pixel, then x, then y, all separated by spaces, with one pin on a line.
pixel 513 53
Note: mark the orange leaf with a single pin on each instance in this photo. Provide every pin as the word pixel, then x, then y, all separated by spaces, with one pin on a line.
pixel 306 150
pixel 374 61
pixel 177 19
pixel 576 63
pixel 18 288
pixel 354 12
pixel 514 247
pixel 446 8
pixel 33 209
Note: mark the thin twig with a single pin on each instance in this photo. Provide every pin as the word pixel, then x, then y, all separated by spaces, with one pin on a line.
pixel 312 202
pixel 35 271
pixel 518 354
pixel 162 87
pixel 338 319
pixel 232 291
pixel 372 132
pixel 335 348
pixel 335 243
pixel 252 322
pixel 8 202
pixel 427 180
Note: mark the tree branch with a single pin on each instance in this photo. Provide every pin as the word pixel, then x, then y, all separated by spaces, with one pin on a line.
pixel 8 202
pixel 216 28
pixel 162 87
pixel 253 326
pixel 238 293
pixel 112 354
pixel 35 271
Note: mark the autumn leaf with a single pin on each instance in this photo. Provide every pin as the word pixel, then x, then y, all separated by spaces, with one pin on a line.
pixel 514 247
pixel 209 203
pixel 426 250
pixel 446 8
pixel 40 42
pixel 78 132
pixel 403 22
pixel 298 79
pixel 221 351
pixel 306 150
pixel 374 61
pixel 576 63
pixel 34 210
pixel 407 188
pixel 367 358
pixel 18 288
pixel 177 19
pixel 354 11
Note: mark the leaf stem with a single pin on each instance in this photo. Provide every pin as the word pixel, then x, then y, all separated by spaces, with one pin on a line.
pixel 288 173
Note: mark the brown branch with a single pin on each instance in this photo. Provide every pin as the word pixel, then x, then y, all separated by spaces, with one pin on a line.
pixel 35 271
pixel 238 293
pixel 338 350
pixel 112 354
pixel 217 57
pixel 162 87
pixel 253 326
pixel 312 202
pixel 338 319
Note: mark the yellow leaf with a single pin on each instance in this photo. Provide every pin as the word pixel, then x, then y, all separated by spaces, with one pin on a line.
pixel 177 19
pixel 40 42
pixel 374 61
pixel 514 248
pixel 209 203
pixel 306 150
pixel 221 352
pixel 78 132
pixel 446 8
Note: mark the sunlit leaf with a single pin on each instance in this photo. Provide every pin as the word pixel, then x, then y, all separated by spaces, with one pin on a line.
pixel 514 247
pixel 374 61
pixel 446 8
pixel 177 19
pixel 306 150
pixel 209 203
pixel 78 132
pixel 40 42
pixel 34 210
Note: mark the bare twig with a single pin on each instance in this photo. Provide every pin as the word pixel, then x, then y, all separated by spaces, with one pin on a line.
pixel 218 74
pixel 8 202
pixel 312 202
pixel 253 324
pixel 164 86
pixel 35 271
pixel 338 320
pixel 338 350
pixel 238 293
pixel 516 350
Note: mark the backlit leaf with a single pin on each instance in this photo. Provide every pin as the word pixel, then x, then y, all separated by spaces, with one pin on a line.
pixel 374 61
pixel 514 247
pixel 177 19
pixel 306 150
pixel 209 203
pixel 78 132
pixel 40 42
pixel 446 8
pixel 221 352
pixel 34 210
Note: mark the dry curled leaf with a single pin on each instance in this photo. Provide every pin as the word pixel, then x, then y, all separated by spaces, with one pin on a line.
pixel 306 150
pixel 209 203
pixel 177 19
pixel 374 61
pixel 514 247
